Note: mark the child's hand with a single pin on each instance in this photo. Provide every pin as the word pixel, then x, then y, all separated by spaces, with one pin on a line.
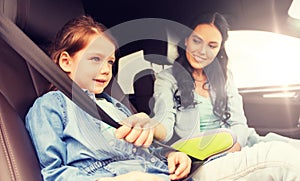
pixel 179 165
pixel 137 129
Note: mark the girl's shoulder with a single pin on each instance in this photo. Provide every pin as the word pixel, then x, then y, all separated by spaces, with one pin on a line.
pixel 51 99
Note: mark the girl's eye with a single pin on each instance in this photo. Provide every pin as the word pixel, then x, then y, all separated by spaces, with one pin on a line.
pixel 111 62
pixel 96 59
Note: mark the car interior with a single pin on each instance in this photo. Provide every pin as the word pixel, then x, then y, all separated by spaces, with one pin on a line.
pixel 21 84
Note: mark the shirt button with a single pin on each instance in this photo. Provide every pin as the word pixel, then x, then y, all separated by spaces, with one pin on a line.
pixel 134 150
pixel 111 143
pixel 152 159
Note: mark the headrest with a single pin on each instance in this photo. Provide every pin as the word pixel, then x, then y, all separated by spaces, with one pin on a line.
pixel 41 19
pixel 9 9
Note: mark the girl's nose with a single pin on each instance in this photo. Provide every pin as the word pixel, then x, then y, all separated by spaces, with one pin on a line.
pixel 105 68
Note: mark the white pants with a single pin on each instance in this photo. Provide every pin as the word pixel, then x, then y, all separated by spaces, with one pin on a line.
pixel 270 161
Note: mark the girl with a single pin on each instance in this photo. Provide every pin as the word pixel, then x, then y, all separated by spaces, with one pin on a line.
pixel 71 144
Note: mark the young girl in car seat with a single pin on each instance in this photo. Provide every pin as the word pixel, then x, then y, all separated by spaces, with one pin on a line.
pixel 197 94
pixel 71 144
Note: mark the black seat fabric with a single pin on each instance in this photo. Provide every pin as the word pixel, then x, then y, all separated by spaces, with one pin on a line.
pixel 20 84
pixel 17 155
pixel 143 87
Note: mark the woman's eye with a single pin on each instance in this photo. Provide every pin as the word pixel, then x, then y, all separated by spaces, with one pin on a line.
pixel 197 40
pixel 213 46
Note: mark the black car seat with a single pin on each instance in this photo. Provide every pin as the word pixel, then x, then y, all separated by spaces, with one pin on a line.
pixel 20 84
pixel 143 87
pixel 156 52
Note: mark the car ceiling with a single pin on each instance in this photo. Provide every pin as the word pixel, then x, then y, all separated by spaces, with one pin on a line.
pixel 265 15
pixel 268 15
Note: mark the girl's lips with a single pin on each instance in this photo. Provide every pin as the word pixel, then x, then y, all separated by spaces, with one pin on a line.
pixel 102 81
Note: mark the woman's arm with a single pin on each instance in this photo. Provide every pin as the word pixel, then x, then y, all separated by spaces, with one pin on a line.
pixel 238 120
pixel 140 130
pixel 164 112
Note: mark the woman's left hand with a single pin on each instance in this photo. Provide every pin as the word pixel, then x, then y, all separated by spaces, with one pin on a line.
pixel 234 148
pixel 137 129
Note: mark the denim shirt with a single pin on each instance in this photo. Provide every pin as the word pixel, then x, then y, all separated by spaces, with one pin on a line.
pixel 72 145
pixel 187 121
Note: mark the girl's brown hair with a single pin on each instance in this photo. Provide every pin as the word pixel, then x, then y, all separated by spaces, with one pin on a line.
pixel 75 35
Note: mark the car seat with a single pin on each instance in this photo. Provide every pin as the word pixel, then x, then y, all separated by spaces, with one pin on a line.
pixel 155 52
pixel 143 86
pixel 20 84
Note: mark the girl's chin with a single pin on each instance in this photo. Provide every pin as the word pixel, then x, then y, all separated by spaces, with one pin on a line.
pixel 98 90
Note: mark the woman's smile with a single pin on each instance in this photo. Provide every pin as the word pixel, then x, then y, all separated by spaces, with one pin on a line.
pixel 199 58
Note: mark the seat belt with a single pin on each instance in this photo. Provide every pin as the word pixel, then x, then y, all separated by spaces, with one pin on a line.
pixel 38 59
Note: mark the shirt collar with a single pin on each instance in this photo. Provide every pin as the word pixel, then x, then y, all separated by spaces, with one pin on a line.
pixel 91 95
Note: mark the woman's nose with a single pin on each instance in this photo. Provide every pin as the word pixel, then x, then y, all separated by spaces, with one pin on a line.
pixel 202 49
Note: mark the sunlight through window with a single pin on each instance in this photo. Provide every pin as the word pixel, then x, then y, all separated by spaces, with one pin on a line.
pixel 259 58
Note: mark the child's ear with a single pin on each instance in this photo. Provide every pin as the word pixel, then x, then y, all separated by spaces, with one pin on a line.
pixel 65 62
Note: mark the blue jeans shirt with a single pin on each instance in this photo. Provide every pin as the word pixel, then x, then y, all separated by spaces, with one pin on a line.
pixel 72 145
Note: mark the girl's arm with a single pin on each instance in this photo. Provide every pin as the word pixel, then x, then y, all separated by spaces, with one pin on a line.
pixel 44 123
pixel 133 176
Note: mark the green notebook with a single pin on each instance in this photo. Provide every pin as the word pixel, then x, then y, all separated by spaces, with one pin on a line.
pixel 207 143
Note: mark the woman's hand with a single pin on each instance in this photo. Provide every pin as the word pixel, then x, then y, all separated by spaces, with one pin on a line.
pixel 234 148
pixel 179 165
pixel 133 176
pixel 137 129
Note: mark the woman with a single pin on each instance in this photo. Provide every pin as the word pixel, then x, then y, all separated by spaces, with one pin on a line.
pixel 198 94
pixel 200 84
pixel 71 144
